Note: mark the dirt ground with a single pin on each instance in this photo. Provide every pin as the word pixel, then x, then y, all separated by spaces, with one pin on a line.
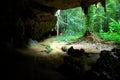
pixel 46 62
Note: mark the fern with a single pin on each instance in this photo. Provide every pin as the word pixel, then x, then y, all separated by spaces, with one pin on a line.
pixel 114 26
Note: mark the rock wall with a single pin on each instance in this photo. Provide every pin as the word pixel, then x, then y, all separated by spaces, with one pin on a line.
pixel 40 25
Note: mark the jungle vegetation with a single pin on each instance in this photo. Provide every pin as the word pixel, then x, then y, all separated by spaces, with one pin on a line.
pixel 104 23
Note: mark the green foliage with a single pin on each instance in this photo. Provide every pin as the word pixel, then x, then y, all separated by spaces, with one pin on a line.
pixel 96 17
pixel 74 22
pixel 110 36
pixel 48 48
pixel 114 32
pixel 111 9
pixel 74 25
pixel 99 20
pixel 71 37
pixel 114 26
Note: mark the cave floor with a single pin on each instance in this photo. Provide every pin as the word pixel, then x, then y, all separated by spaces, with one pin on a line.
pixel 51 46
pixel 48 61
pixel 56 46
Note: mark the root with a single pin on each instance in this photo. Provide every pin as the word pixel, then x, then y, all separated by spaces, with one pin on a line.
pixel 91 37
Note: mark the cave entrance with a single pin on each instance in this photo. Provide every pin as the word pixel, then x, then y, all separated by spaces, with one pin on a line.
pixel 71 24
pixel 74 24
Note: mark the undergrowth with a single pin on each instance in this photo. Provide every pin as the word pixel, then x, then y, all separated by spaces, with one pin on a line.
pixel 68 37
pixel 114 32
pixel 110 36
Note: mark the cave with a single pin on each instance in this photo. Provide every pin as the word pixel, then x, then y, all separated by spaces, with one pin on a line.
pixel 60 40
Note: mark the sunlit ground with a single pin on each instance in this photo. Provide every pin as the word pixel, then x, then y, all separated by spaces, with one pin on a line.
pixel 49 50
pixel 51 46
pixel 56 46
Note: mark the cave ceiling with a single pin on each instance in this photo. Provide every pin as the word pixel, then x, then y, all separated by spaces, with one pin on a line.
pixel 66 4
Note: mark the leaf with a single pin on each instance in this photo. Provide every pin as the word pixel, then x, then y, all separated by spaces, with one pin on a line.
pixel 114 21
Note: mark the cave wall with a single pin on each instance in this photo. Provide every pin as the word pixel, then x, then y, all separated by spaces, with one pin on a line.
pixel 24 19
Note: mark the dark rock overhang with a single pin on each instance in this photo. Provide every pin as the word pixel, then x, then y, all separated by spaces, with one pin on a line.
pixel 66 4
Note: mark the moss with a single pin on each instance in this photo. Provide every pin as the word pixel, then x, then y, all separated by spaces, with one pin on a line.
pixel 48 48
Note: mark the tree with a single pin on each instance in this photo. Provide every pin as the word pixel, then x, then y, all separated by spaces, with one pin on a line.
pixel 96 17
